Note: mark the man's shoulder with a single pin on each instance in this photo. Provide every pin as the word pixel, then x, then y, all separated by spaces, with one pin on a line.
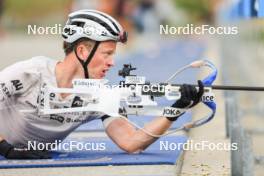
pixel 35 62
pixel 43 65
pixel 41 61
pixel 35 65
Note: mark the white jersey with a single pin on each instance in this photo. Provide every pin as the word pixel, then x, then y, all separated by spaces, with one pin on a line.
pixel 20 86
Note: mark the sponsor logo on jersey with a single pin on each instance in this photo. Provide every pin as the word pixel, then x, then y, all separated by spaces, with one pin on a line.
pixel 17 84
pixel 57 118
pixel 5 90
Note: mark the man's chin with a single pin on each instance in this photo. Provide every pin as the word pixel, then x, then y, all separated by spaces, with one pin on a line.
pixel 97 77
pixel 100 77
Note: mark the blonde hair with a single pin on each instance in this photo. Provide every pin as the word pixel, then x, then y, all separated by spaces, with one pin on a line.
pixel 69 47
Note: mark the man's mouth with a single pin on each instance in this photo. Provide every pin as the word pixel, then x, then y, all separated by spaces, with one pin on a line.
pixel 105 71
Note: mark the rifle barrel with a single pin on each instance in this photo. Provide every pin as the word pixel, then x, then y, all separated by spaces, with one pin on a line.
pixel 240 88
pixel 231 87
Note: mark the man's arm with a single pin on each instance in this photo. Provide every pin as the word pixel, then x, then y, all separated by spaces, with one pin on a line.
pixel 131 140
pixel 15 80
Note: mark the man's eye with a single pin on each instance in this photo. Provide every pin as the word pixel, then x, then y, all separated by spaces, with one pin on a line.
pixel 108 53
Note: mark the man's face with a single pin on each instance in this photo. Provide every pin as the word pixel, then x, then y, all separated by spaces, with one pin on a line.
pixel 102 60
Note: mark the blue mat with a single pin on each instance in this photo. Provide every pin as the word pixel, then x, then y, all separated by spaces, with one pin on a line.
pixel 112 155
pixel 97 125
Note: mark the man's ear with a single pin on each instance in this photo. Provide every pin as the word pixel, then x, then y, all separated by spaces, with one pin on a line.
pixel 82 51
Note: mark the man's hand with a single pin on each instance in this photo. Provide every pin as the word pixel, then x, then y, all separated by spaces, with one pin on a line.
pixel 10 152
pixel 190 96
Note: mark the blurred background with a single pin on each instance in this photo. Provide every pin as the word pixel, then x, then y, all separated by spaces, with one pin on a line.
pixel 241 56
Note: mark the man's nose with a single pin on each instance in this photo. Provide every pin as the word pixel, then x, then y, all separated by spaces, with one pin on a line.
pixel 110 62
